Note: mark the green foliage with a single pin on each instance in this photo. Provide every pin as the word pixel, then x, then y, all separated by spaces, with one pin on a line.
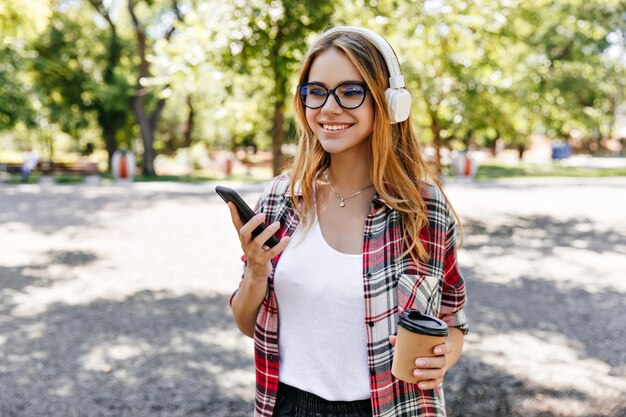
pixel 23 20
pixel 265 43
pixel 478 71
pixel 15 101
pixel 78 74
pixel 483 70
pixel 273 38
pixel 571 81
pixel 19 24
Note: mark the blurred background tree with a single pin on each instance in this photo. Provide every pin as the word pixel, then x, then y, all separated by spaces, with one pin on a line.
pixel 157 76
pixel 268 45
pixel 20 25
pixel 81 77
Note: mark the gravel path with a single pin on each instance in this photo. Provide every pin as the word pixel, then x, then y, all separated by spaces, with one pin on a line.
pixel 114 301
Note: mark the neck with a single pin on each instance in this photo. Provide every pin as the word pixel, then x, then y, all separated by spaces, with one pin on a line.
pixel 349 174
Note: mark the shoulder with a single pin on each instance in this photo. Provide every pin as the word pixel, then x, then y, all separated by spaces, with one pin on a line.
pixel 274 200
pixel 436 202
pixel 275 191
pixel 276 187
pixel 432 193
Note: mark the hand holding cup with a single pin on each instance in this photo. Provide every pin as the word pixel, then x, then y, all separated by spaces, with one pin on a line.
pixel 421 349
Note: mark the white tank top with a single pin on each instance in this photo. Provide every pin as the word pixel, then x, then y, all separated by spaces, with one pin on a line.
pixel 322 335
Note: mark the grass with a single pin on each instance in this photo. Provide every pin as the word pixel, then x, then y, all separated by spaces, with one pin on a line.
pixel 196 178
pixel 108 178
pixel 492 171
pixel 486 171
pixel 69 179
pixel 17 179
pixel 57 179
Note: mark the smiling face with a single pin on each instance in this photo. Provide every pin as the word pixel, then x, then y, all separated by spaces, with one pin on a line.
pixel 339 130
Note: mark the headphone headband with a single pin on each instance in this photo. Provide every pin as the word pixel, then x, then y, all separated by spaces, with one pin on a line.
pixel 396 80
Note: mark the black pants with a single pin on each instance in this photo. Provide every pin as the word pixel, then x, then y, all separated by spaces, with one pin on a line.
pixel 293 402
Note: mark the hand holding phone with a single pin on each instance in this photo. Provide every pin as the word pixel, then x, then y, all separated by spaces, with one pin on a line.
pixel 245 212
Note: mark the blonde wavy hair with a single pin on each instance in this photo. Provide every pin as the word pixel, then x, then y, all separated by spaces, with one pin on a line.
pixel 397 169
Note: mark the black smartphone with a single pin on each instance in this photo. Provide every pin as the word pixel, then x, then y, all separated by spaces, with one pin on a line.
pixel 245 212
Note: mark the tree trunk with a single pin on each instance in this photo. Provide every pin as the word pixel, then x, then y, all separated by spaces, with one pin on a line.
pixel 147 135
pixel 278 138
pixel 190 123
pixel 147 125
pixel 110 142
pixel 108 118
pixel 435 127
pixel 612 116
pixel 467 140
pixel 279 94
pixel 138 101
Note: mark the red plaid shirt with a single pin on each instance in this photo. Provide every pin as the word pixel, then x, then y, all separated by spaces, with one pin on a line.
pixel 392 285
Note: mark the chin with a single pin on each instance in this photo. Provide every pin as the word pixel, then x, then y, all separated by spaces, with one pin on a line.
pixel 336 146
pixel 332 145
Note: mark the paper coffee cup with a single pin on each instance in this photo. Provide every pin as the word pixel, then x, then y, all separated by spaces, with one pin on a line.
pixel 418 334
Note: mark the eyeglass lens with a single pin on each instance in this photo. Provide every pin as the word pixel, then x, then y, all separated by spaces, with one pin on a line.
pixel 349 96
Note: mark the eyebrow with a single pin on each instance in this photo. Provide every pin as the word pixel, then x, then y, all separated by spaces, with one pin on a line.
pixel 339 83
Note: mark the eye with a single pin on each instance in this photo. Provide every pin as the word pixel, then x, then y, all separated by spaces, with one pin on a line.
pixel 316 90
pixel 352 90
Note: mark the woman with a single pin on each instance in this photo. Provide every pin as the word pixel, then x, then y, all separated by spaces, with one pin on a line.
pixel 365 234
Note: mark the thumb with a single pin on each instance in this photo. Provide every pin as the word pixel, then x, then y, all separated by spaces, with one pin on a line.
pixel 234 214
pixel 392 340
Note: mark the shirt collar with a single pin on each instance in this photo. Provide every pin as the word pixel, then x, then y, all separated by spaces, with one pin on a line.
pixel 297 192
pixel 379 202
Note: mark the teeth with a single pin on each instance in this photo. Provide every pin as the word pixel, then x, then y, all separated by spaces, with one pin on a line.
pixel 336 127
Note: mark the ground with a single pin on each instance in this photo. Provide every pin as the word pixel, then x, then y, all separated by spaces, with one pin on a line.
pixel 114 300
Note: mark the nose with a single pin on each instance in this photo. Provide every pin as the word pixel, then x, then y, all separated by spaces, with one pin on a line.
pixel 332 105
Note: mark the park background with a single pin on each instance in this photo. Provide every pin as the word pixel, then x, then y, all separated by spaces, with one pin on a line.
pixel 199 87
pixel 113 295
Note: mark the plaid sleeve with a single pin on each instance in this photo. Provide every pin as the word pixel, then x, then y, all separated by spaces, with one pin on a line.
pixel 243 274
pixel 453 292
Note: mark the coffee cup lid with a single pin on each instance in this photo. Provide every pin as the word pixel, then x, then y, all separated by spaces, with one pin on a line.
pixel 416 322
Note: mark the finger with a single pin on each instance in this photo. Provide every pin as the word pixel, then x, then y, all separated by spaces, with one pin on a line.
pixel 431 362
pixel 266 234
pixel 245 232
pixel 234 216
pixel 442 349
pixel 392 340
pixel 429 374
pixel 276 250
pixel 431 384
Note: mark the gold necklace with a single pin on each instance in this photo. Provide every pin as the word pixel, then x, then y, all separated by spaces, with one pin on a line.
pixel 342 199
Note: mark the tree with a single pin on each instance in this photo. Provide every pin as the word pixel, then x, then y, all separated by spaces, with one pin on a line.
pixel 15 102
pixel 140 102
pixel 448 63
pixel 114 91
pixel 270 44
pixel 491 69
pixel 19 25
pixel 575 82
pixel 80 76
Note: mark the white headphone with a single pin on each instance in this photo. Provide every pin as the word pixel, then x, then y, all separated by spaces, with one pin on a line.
pixel 398 98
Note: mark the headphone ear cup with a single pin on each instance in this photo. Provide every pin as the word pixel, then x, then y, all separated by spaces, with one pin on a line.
pixel 399 103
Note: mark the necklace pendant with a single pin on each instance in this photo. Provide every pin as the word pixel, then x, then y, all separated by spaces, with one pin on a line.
pixel 342 203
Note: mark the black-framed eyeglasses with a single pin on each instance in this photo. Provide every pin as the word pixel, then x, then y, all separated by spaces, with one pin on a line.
pixel 349 95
